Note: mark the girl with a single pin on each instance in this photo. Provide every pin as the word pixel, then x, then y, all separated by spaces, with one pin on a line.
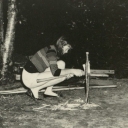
pixel 45 65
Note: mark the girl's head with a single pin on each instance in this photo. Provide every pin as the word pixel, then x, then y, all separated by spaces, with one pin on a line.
pixel 63 46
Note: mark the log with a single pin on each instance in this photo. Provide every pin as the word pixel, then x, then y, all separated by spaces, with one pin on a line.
pixel 99 75
pixel 104 86
pixel 102 71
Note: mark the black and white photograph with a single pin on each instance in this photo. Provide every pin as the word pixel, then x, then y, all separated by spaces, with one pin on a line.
pixel 63 63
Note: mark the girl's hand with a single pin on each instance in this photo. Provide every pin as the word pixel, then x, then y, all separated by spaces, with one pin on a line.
pixel 78 72
pixel 69 76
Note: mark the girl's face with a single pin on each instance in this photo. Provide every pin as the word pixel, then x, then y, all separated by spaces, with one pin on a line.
pixel 66 48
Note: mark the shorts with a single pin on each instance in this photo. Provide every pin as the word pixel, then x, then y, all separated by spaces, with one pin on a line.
pixel 29 78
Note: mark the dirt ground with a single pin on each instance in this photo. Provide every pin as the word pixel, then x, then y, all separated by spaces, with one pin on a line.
pixel 17 110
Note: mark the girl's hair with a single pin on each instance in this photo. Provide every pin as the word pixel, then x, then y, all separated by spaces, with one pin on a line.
pixel 60 43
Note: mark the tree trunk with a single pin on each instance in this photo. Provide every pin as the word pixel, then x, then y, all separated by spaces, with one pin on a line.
pixel 1 23
pixel 1 31
pixel 7 48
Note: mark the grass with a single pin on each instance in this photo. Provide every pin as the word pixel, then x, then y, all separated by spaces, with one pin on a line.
pixel 16 110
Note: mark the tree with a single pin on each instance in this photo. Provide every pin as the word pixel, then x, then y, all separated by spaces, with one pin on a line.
pixel 7 46
pixel 1 23
pixel 1 29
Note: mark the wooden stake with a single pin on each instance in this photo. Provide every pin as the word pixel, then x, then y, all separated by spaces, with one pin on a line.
pixel 87 77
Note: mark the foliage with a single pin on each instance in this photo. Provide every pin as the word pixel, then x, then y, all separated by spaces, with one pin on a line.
pixel 99 27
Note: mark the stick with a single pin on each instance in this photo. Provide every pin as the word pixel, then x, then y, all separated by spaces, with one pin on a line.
pixel 99 75
pixel 50 78
pixel 57 89
pixel 87 75
pixel 104 86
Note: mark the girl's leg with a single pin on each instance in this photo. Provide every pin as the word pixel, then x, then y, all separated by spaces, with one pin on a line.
pixel 46 75
pixel 47 85
pixel 35 87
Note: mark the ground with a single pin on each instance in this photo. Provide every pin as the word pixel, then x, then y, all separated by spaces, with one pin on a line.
pixel 17 110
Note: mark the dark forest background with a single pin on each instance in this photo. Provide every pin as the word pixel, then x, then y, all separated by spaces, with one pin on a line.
pixel 97 26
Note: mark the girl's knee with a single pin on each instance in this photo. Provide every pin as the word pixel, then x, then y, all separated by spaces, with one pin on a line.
pixel 61 64
pixel 47 69
pixel 64 78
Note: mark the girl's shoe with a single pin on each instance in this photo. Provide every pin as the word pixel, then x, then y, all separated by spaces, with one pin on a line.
pixel 49 92
pixel 30 94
